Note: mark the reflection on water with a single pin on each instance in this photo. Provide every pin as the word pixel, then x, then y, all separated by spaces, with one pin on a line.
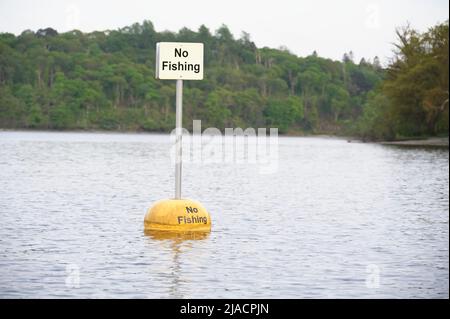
pixel 336 220
pixel 178 242
pixel 176 237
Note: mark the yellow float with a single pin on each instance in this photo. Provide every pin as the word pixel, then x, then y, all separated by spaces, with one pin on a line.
pixel 177 215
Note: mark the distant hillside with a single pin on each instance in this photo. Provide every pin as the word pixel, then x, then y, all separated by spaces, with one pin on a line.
pixel 105 80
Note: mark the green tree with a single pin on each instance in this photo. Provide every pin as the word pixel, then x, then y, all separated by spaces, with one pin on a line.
pixel 284 113
pixel 417 81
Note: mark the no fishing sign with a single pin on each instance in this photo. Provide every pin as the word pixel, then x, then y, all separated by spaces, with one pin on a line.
pixel 179 61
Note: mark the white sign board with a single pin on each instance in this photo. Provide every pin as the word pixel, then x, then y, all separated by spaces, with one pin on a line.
pixel 177 60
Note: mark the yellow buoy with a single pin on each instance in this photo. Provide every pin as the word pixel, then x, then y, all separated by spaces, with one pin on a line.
pixel 177 215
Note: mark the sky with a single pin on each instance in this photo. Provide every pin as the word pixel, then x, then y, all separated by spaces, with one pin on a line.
pixel 366 27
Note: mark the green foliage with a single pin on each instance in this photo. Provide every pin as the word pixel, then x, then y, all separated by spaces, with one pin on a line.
pixel 284 113
pixel 105 80
pixel 12 109
pixel 61 117
pixel 35 118
pixel 413 100
pixel 375 123
pixel 339 100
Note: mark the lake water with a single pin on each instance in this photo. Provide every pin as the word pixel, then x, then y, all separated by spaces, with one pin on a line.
pixel 336 220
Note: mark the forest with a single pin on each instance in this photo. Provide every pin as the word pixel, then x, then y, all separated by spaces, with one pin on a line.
pixel 106 81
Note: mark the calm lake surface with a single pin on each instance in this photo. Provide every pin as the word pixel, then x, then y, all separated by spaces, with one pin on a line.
pixel 336 220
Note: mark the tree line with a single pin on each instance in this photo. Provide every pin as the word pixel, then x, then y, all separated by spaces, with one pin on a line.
pixel 105 80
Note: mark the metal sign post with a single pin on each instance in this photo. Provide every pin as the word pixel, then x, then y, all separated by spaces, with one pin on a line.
pixel 179 136
pixel 179 61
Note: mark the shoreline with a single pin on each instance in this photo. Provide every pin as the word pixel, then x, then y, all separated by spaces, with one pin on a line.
pixel 431 141
pixel 350 139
